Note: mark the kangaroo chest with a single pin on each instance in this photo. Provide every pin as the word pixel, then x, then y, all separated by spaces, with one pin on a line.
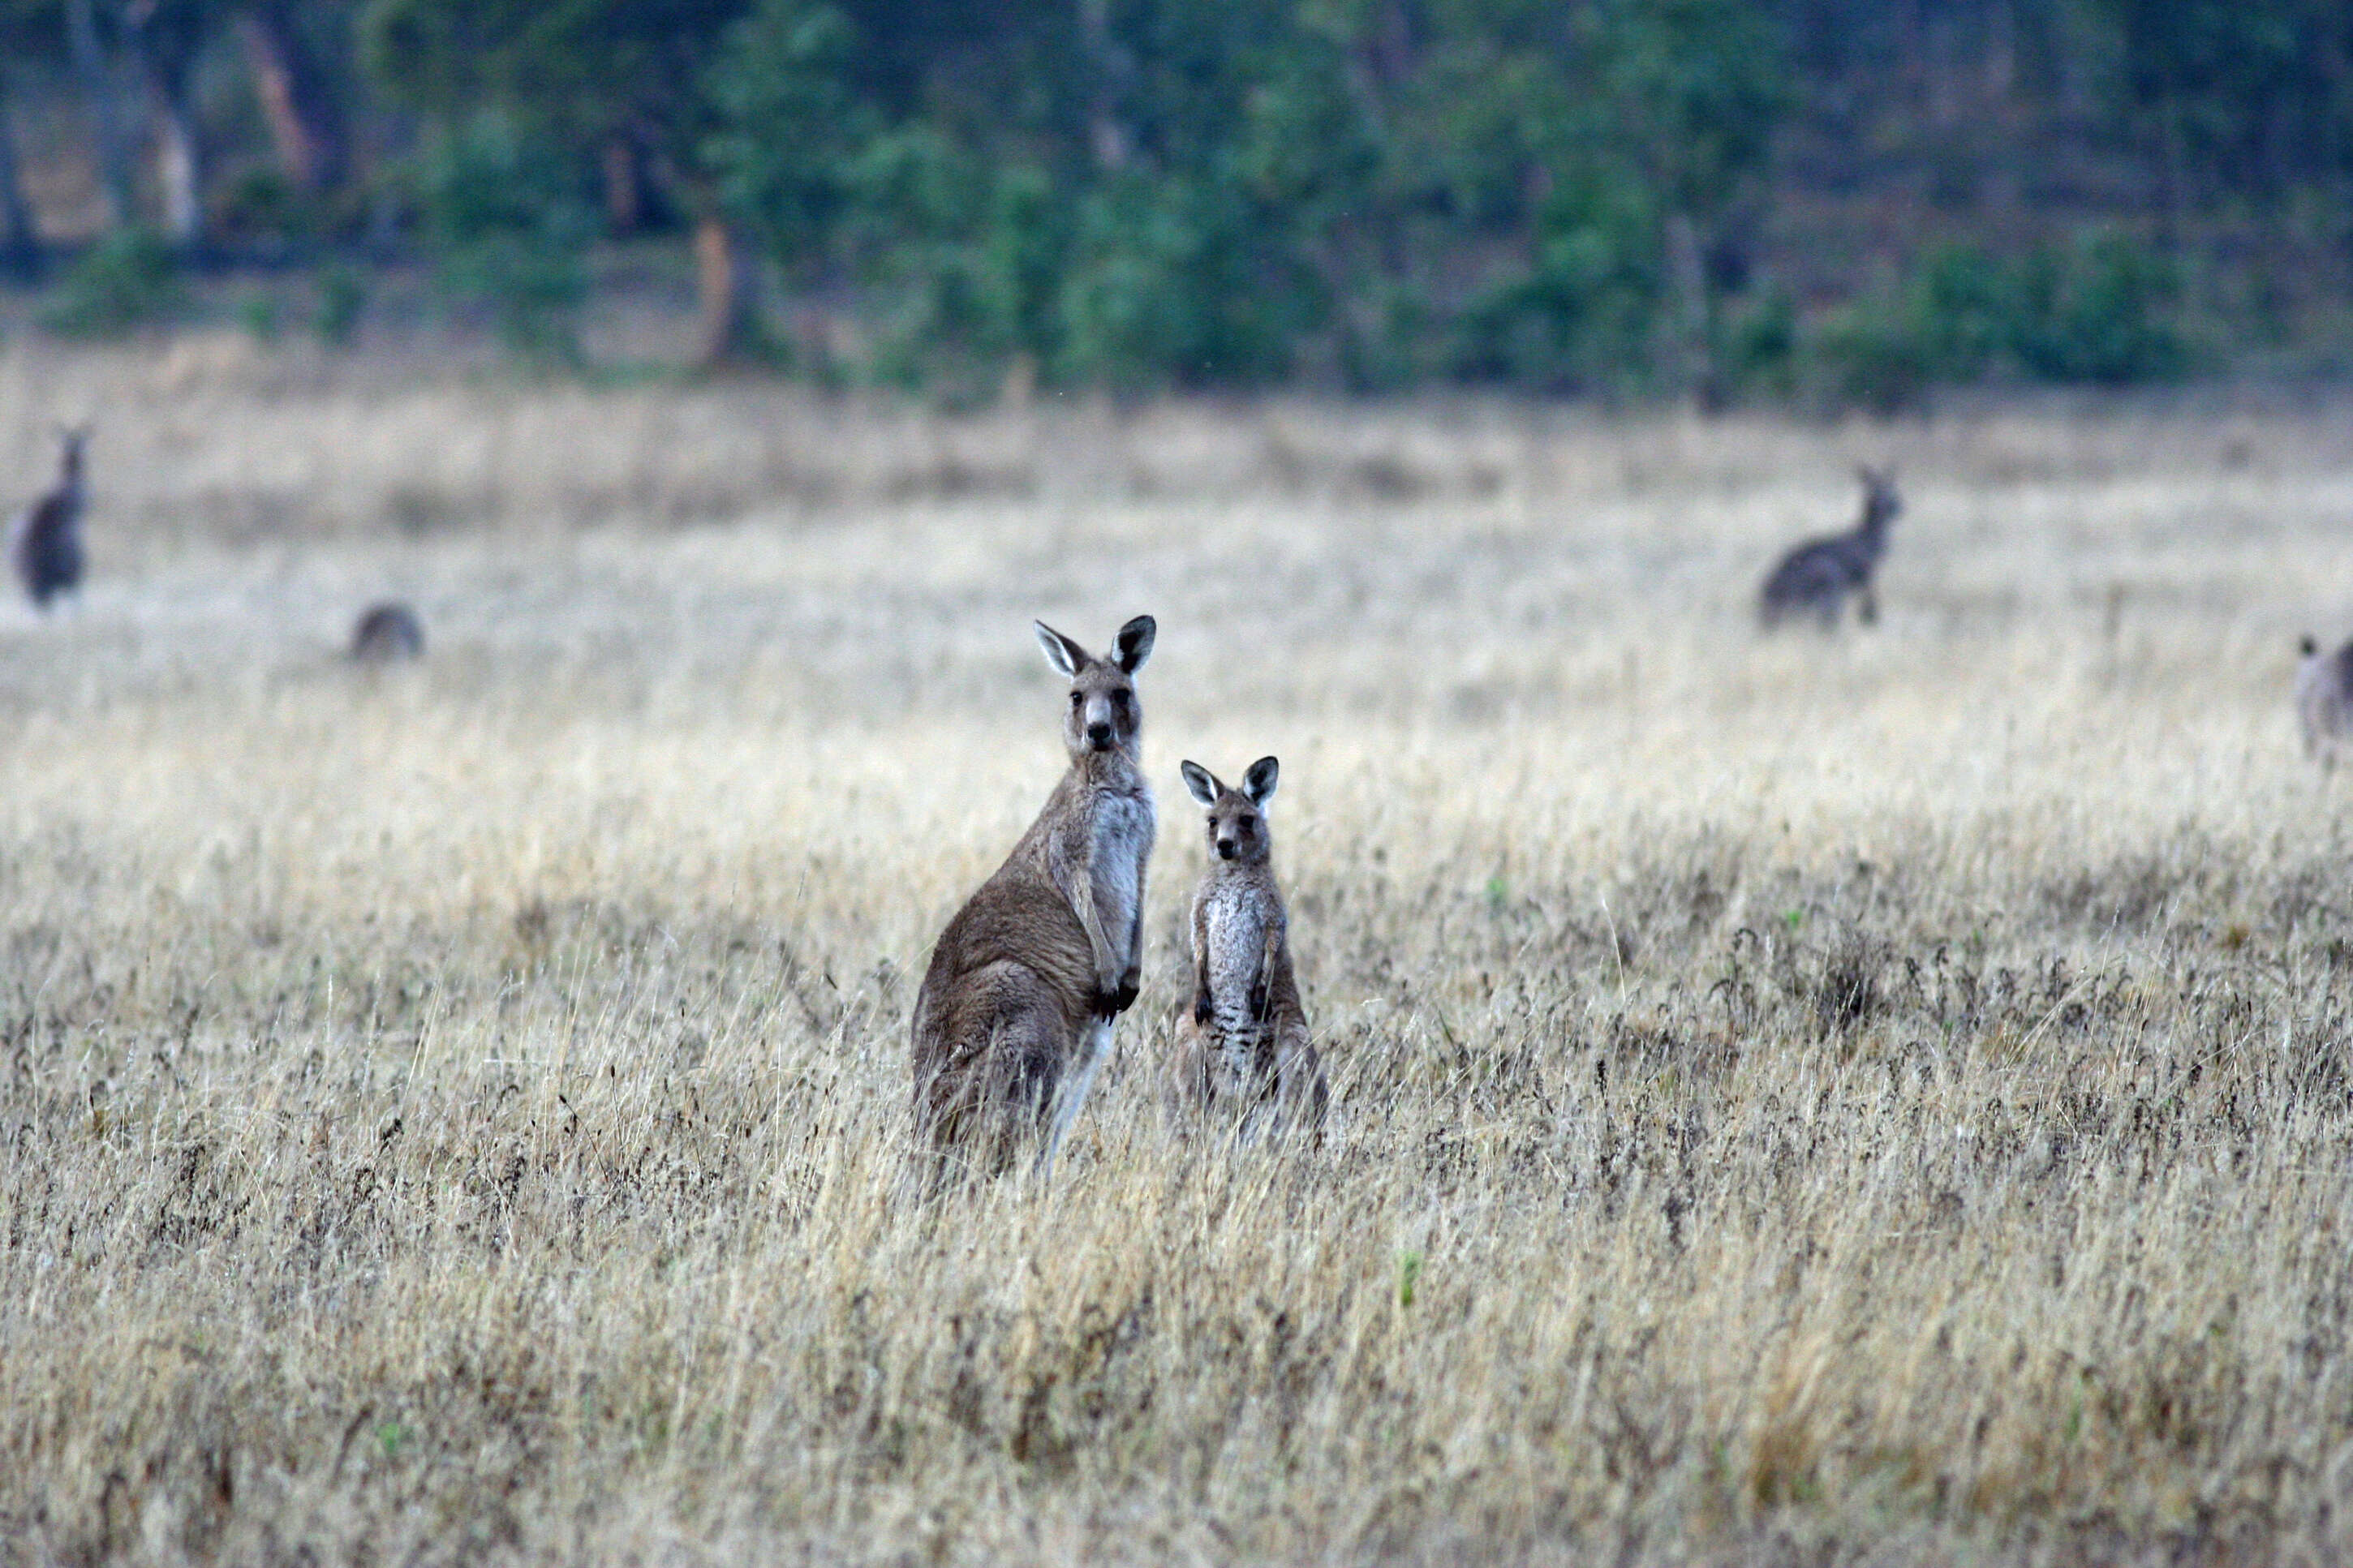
pixel 1121 832
pixel 1235 917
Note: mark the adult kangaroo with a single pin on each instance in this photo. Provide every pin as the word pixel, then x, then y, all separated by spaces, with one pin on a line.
pixel 1815 578
pixel 1015 1014
pixel 45 546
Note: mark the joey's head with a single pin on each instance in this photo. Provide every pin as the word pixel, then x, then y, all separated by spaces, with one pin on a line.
pixel 1881 503
pixel 1238 830
pixel 71 440
pixel 1103 714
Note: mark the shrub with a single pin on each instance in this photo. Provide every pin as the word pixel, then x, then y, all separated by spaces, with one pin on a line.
pixel 343 298
pixel 117 285
pixel 509 225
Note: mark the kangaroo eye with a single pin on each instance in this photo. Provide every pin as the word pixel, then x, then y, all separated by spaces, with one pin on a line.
pixel 1077 700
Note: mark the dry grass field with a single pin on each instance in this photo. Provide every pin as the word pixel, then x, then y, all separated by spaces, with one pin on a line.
pixel 1886 1099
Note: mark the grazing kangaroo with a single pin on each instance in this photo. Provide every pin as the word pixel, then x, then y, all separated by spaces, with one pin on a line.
pixel 45 546
pixel 1815 578
pixel 387 633
pixel 1015 1014
pixel 1243 1049
pixel 2324 700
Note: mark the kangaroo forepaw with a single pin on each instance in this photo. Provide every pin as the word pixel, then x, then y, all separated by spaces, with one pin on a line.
pixel 1258 1001
pixel 1201 1009
pixel 1112 1003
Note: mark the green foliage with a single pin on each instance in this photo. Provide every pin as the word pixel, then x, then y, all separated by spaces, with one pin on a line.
pixel 261 204
pixel 1369 194
pixel 788 130
pixel 508 225
pixel 124 281
pixel 2095 311
pixel 342 300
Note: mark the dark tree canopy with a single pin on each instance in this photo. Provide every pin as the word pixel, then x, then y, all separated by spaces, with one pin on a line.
pixel 1719 198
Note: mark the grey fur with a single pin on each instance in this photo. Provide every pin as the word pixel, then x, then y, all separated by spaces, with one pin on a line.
pixel 387 633
pixel 1243 1050
pixel 2324 700
pixel 45 546
pixel 1817 578
pixel 1015 1012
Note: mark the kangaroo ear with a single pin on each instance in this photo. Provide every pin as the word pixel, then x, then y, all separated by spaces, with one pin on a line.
pixel 1065 656
pixel 1259 783
pixel 1134 644
pixel 1200 782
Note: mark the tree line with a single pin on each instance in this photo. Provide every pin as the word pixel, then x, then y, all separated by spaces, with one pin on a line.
pixel 1713 198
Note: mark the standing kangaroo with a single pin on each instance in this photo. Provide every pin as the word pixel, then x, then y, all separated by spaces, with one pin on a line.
pixel 2324 700
pixel 45 547
pixel 1815 578
pixel 1243 1049
pixel 1015 1014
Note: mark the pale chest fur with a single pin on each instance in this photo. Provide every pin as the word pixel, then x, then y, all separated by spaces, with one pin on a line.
pixel 1235 915
pixel 1120 833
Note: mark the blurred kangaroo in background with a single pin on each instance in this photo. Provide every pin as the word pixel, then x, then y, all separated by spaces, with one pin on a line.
pixel 1015 1014
pixel 2324 700
pixel 45 546
pixel 1815 578
pixel 1243 1050
pixel 387 633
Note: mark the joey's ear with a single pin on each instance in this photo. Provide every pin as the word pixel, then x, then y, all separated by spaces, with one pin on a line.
pixel 1200 782
pixel 1134 644
pixel 1067 657
pixel 1259 783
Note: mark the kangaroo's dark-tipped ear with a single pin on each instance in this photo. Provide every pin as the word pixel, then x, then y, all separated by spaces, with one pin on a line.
pixel 2309 646
pixel 1067 657
pixel 1134 644
pixel 1200 782
pixel 1259 783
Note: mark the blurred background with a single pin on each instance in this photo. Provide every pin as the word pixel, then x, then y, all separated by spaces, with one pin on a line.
pixel 1839 203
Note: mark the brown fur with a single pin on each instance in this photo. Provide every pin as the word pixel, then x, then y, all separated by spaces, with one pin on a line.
pixel 1243 1050
pixel 1015 1012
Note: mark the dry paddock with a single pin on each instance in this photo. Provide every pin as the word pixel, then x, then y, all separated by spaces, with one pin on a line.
pixel 1875 1100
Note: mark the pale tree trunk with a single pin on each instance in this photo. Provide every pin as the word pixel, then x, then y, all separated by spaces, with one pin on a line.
pixel 724 285
pixel 178 171
pixel 299 108
pixel 625 197
pixel 97 79
pixel 1106 134
pixel 20 243
pixel 1695 355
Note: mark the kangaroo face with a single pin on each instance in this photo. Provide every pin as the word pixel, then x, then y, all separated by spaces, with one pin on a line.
pixel 1237 817
pixel 1103 714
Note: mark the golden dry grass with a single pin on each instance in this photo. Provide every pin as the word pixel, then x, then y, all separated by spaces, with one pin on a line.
pixel 1881 1099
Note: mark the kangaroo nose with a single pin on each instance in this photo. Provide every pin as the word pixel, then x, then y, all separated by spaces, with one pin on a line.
pixel 1227 849
pixel 1099 733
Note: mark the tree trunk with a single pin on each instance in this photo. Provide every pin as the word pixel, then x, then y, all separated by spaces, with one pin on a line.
pixel 297 106
pixel 20 243
pixel 98 85
pixel 178 171
pixel 625 195
pixel 1694 353
pixel 722 275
